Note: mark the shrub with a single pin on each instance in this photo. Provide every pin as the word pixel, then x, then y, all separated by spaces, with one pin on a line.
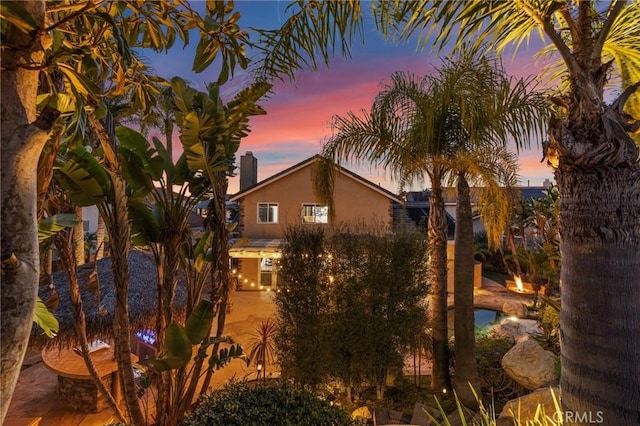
pixel 489 352
pixel 549 322
pixel 277 404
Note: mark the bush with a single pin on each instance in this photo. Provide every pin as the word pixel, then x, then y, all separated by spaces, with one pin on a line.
pixel 495 383
pixel 278 404
pixel 549 322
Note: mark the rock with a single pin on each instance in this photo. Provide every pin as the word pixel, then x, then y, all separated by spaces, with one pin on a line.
pixel 530 365
pixel 525 407
pixel 420 416
pixel 513 328
pixel 515 308
pixel 362 413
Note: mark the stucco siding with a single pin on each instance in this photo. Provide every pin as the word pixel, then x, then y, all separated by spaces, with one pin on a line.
pixel 354 203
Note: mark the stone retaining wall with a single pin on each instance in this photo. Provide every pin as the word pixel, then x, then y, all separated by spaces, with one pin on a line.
pixel 82 394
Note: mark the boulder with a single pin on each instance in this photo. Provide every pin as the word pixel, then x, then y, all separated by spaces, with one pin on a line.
pixel 513 328
pixel 524 408
pixel 515 308
pixel 420 416
pixel 530 365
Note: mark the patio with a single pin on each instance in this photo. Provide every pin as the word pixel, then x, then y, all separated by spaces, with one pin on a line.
pixel 36 397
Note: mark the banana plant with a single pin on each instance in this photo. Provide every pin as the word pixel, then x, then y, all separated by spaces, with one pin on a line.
pixel 210 133
pixel 178 352
pixel 47 228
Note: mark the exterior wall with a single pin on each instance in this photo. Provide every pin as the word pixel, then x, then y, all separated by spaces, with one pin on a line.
pixel 90 215
pixel 250 270
pixel 354 203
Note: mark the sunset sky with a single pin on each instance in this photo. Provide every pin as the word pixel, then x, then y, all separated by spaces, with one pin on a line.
pixel 299 114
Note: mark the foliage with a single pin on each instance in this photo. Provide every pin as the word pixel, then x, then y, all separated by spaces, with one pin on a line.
pixel 487 415
pixel 45 319
pixel 489 353
pixel 350 304
pixel 177 356
pixel 262 350
pixel 278 404
pixel 549 323
pixel 302 305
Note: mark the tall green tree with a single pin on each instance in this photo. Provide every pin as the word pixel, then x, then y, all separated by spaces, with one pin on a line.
pixel 484 109
pixel 590 146
pixel 455 121
pixel 87 44
pixel 405 133
pixel 596 168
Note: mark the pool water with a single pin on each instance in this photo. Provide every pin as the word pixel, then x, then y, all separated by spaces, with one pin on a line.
pixel 484 318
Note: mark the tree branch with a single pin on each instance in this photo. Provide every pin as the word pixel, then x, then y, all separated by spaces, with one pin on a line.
pixel 564 12
pixel 614 11
pixel 618 104
pixel 548 28
pixel 74 15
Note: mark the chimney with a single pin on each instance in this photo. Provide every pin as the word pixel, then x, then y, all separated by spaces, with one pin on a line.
pixel 248 170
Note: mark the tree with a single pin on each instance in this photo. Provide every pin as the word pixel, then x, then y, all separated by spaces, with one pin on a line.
pixel 484 108
pixel 596 168
pixel 97 40
pixel 350 304
pixel 405 133
pixel 302 306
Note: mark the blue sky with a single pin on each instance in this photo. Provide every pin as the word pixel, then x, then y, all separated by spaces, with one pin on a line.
pixel 299 114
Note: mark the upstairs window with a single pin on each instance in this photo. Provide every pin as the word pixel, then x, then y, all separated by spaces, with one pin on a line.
pixel 314 213
pixel 267 212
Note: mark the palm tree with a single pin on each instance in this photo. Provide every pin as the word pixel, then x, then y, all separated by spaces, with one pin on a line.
pixel 403 133
pixel 262 350
pixel 486 108
pixel 596 168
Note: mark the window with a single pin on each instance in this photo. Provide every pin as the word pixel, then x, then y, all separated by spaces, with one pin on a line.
pixel 267 212
pixel 313 213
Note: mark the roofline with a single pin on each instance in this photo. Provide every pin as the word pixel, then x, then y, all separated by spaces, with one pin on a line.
pixel 237 196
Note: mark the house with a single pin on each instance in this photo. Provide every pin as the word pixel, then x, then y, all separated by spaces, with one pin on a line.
pixel 450 196
pixel 267 208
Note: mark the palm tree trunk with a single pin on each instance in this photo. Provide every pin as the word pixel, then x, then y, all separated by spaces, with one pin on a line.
pixel 100 238
pixel 64 247
pixel 221 285
pixel 600 283
pixel 118 227
pixel 437 298
pixel 116 217
pixel 23 138
pixel 466 371
pixel 78 238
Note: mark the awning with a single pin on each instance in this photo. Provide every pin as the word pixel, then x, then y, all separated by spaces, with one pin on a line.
pixel 256 248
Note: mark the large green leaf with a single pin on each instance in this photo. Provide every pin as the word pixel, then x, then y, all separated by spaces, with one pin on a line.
pixel 199 322
pixel 137 145
pixel 145 223
pixel 177 349
pixel 45 319
pixel 83 179
pixel 51 225
pixel 15 13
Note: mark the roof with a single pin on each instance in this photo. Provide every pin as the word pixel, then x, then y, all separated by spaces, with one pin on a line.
pixel 99 306
pixel 256 247
pixel 304 164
